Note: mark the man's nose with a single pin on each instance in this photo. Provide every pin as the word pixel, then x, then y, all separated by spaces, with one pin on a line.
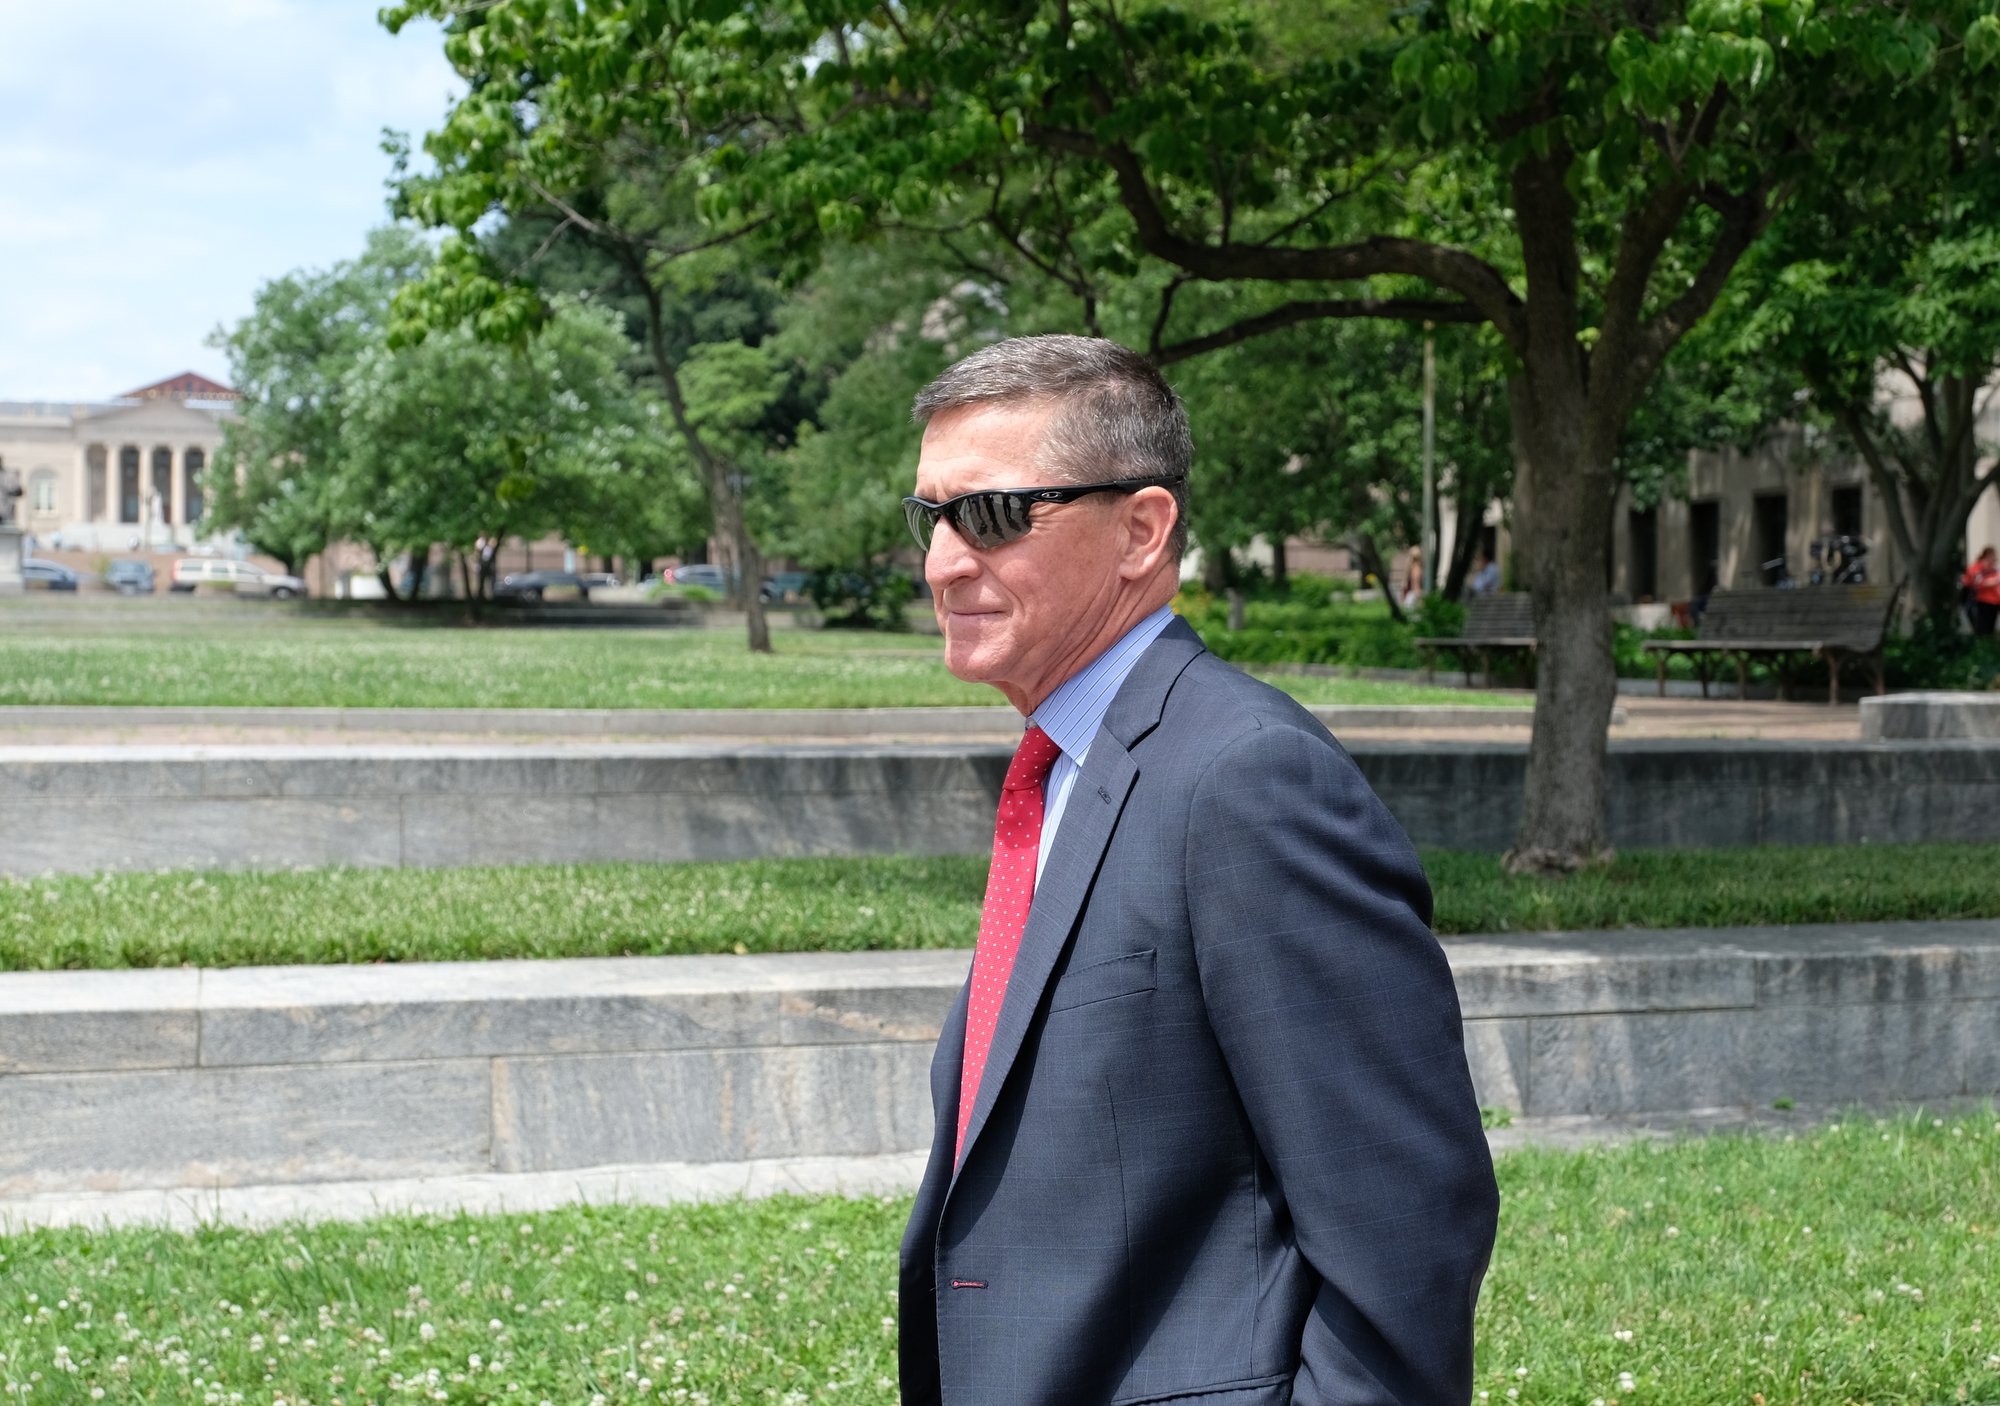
pixel 949 559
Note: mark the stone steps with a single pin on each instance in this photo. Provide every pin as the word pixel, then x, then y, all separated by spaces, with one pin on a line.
pixel 85 809
pixel 191 1080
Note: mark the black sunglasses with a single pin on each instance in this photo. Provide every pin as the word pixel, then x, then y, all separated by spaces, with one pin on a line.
pixel 993 517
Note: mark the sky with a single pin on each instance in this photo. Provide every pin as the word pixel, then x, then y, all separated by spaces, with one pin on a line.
pixel 159 162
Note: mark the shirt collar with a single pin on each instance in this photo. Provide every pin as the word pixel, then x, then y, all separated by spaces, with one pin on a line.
pixel 1073 713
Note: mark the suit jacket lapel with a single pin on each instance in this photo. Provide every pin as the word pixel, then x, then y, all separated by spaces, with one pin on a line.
pixel 1096 799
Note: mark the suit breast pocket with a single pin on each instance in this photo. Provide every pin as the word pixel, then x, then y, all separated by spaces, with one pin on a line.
pixel 1129 975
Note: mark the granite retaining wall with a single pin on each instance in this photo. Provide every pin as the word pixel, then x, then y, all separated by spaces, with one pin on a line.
pixel 186 1078
pixel 83 809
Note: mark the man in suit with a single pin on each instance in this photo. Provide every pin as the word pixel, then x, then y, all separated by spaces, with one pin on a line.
pixel 1205 1133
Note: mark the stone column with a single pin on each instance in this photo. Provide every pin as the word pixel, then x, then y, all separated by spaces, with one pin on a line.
pixel 177 488
pixel 10 560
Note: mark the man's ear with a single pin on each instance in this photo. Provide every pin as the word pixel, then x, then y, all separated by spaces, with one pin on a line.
pixel 1150 515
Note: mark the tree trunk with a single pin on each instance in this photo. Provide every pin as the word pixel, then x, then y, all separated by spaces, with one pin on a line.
pixel 1464 546
pixel 1215 572
pixel 1280 568
pixel 725 497
pixel 1929 483
pixel 1563 501
pixel 749 562
pixel 387 576
pixel 1362 544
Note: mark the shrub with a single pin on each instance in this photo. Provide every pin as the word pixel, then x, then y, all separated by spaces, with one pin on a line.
pixel 1313 621
pixel 866 597
pixel 1936 654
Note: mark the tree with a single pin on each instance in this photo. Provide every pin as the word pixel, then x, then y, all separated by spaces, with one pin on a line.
pixel 626 192
pixel 1582 175
pixel 458 438
pixel 346 437
pixel 289 358
pixel 1869 294
pixel 1316 430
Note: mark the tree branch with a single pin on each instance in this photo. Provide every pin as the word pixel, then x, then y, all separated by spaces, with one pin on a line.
pixel 1743 219
pixel 1391 309
pixel 1472 278
pixel 1160 321
pixel 1886 484
pixel 626 237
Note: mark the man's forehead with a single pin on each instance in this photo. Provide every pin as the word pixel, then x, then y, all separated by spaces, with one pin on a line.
pixel 983 445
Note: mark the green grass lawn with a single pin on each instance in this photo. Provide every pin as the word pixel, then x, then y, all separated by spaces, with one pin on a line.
pixel 215 918
pixel 1853 1264
pixel 303 662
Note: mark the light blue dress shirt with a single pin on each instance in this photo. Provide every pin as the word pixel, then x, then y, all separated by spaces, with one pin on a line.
pixel 1073 713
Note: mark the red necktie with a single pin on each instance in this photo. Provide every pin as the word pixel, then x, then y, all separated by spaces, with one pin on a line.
pixel 1010 889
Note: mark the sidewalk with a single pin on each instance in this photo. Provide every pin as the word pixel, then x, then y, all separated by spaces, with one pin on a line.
pixel 1635 717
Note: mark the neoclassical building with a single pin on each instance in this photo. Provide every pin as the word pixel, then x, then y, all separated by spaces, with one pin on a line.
pixel 119 474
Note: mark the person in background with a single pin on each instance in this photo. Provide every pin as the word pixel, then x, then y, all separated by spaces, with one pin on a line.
pixel 1979 589
pixel 1485 575
pixel 1413 580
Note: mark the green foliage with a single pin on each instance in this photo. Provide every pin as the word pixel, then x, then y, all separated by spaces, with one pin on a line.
pixel 1860 291
pixel 1936 654
pixel 1582 175
pixel 456 437
pixel 866 597
pixel 1439 617
pixel 1316 430
pixel 348 433
pixel 286 445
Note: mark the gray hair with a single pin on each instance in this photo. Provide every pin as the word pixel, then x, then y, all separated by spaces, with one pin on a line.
pixel 1115 416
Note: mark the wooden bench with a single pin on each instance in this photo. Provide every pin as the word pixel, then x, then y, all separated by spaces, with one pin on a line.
pixel 1834 623
pixel 1499 623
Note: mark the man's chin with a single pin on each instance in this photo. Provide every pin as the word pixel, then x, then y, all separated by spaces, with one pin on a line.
pixel 968 664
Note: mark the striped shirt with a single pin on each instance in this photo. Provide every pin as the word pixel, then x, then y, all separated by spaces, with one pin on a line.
pixel 1073 713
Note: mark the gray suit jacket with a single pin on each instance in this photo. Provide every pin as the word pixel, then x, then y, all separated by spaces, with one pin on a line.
pixel 1225 1151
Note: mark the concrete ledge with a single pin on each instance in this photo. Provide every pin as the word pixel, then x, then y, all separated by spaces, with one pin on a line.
pixel 1931 715
pixel 82 809
pixel 185 1208
pixel 111 1081
pixel 787 723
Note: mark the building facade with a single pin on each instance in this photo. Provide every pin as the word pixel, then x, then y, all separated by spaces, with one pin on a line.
pixel 118 475
pixel 1749 518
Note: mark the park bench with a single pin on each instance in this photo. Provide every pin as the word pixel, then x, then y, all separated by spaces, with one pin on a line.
pixel 1495 624
pixel 1834 623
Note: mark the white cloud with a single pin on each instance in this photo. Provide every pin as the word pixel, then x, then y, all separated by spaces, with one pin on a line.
pixel 164 161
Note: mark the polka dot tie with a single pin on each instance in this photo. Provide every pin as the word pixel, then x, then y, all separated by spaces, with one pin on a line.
pixel 1010 890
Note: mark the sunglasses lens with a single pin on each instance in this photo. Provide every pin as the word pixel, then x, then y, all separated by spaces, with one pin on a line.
pixel 991 519
pixel 921 519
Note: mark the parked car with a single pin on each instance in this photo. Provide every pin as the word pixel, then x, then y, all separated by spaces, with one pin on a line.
pixel 702 573
pixel 39 575
pixel 130 577
pixel 599 580
pixel 540 585
pixel 243 578
pixel 785 586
